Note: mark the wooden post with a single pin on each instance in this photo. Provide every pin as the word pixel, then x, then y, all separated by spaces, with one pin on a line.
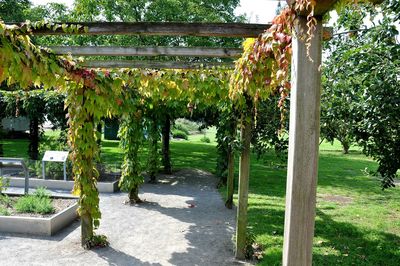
pixel 303 149
pixel 166 158
pixel 244 170
pixel 230 179
pixel 86 228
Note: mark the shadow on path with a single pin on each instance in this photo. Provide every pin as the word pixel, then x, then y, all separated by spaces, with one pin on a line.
pixel 116 257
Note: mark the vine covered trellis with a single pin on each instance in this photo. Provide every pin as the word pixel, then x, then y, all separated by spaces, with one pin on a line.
pixel 263 70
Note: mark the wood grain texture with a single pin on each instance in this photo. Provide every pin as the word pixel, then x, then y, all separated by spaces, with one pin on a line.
pixel 147 51
pixel 302 168
pixel 243 190
pixel 163 28
pixel 152 64
pixel 230 182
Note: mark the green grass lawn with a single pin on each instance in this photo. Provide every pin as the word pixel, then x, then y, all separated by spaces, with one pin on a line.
pixel 16 148
pixel 357 223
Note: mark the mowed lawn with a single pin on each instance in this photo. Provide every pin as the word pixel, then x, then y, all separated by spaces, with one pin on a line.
pixel 357 223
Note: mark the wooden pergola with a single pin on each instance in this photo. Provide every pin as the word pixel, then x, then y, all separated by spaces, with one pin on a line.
pixel 304 109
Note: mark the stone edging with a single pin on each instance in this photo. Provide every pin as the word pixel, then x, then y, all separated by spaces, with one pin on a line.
pixel 103 187
pixel 39 226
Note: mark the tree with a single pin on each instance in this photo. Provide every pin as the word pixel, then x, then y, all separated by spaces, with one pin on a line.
pixel 52 11
pixel 14 10
pixel 270 128
pixel 362 80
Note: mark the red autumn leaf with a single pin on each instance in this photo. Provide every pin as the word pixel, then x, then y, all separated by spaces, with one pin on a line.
pixel 119 102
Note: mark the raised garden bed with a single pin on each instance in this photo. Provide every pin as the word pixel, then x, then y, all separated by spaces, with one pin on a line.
pixel 108 182
pixel 65 212
pixel 103 187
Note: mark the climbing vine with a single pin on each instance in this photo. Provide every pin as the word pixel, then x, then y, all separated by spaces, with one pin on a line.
pixel 131 139
pixel 262 70
pixel 91 96
pixel 264 66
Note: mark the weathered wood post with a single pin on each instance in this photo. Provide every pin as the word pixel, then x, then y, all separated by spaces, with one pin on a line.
pixel 230 178
pixel 303 148
pixel 244 172
pixel 166 158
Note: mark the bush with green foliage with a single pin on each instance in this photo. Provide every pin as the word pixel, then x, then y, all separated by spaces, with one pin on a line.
pixel 270 128
pixel 179 134
pixel 186 125
pixel 39 202
pixel 205 139
pixel 181 127
pixel 4 182
pixel 96 241
pixel 5 202
pixel 4 211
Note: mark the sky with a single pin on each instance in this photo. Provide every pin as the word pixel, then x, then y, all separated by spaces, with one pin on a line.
pixel 258 11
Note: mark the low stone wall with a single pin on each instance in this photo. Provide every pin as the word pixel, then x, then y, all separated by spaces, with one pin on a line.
pixel 103 187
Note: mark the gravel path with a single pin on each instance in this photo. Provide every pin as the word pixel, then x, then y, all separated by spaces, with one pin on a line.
pixel 182 222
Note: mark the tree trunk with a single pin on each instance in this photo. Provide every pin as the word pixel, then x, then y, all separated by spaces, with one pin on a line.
pixel 153 151
pixel 86 228
pixel 244 171
pixel 346 146
pixel 166 129
pixel 1 145
pixel 99 129
pixel 134 195
pixel 34 139
pixel 230 179
pixel 1 137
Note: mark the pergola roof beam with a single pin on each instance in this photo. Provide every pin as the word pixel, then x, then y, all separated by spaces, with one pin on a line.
pixel 147 51
pixel 244 30
pixel 153 64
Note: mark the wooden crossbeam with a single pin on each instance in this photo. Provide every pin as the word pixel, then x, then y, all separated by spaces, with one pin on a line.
pixel 162 28
pixel 152 64
pixel 146 51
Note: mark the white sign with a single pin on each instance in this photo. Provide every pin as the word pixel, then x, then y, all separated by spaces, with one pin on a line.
pixel 55 156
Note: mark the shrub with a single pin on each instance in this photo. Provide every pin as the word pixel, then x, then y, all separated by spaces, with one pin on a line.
pixel 205 139
pixel 5 202
pixel 186 125
pixel 179 134
pixel 4 182
pixel 42 192
pixel 39 202
pixel 96 241
pixel 4 211
pixel 181 127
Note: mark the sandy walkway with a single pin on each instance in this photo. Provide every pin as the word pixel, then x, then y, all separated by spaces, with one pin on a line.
pixel 162 231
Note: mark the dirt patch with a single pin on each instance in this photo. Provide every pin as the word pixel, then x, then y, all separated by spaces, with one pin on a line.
pixel 59 205
pixel 343 200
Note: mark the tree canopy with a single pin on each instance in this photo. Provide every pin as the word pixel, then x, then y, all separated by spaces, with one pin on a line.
pixel 361 96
